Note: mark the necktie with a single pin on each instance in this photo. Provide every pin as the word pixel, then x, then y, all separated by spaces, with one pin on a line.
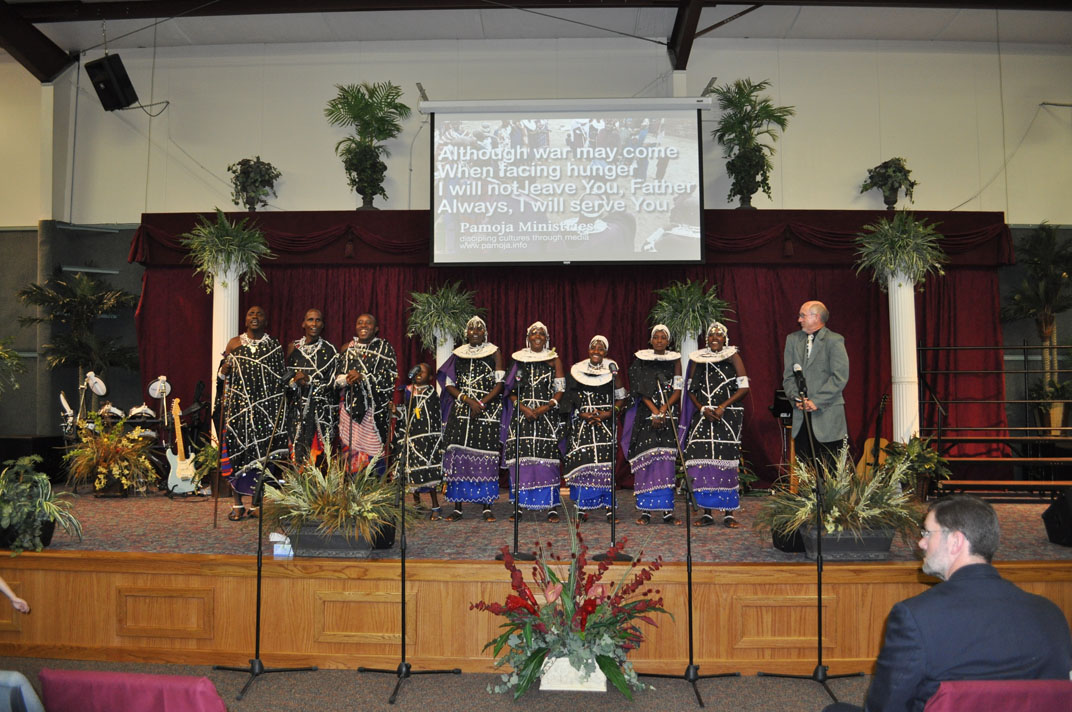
pixel 807 352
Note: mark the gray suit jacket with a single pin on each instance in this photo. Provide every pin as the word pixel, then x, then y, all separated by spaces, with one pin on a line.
pixel 826 372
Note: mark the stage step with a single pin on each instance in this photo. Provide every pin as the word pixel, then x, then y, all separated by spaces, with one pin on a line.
pixel 1005 484
pixel 1013 460
pixel 953 439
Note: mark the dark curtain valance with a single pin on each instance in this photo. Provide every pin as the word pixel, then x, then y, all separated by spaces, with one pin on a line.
pixel 771 237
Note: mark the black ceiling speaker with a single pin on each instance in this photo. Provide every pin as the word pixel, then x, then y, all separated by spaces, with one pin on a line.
pixel 110 79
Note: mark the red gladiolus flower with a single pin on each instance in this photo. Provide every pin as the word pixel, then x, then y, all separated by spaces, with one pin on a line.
pixel 516 603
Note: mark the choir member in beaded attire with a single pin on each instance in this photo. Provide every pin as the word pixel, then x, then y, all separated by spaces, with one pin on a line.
pixel 367 373
pixel 314 411
pixel 594 396
pixel 648 433
pixel 253 408
pixel 472 381
pixel 420 457
pixel 535 386
pixel 711 422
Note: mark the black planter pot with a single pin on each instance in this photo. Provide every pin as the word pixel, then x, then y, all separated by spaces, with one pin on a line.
pixel 870 545
pixel 308 542
pixel 9 534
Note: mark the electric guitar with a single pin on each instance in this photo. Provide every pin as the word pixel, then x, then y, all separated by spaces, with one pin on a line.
pixel 182 479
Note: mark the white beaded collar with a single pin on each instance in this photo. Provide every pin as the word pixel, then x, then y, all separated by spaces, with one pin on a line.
pixel 650 355
pixel 706 355
pixel 590 374
pixel 484 349
pixel 527 355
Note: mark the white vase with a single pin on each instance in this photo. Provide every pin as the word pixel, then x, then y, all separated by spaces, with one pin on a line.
pixel 558 674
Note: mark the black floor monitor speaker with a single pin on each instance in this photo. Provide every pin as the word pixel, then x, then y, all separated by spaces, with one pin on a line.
pixel 1058 518
pixel 110 79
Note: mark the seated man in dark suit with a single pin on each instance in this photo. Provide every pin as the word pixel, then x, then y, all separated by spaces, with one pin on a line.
pixel 974 626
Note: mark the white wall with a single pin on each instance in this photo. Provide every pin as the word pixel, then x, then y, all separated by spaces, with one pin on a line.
pixel 953 110
pixel 20 141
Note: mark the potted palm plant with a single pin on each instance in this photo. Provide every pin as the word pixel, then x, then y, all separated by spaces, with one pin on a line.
pixel 375 114
pixel 29 509
pixel 688 308
pixel 252 181
pixel 747 118
pixel 861 512
pixel 438 318
pixel 890 177
pixel 75 302
pixel 1044 293
pixel 225 249
pixel 329 509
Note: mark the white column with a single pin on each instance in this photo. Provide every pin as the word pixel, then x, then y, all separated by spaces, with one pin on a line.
pixel 903 358
pixel 224 317
pixel 444 347
pixel 688 345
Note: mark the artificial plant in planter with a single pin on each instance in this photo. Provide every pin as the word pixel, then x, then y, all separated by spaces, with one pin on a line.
pixel 890 177
pixel 854 504
pixel 75 302
pixel 747 118
pixel 110 458
pixel 924 464
pixel 252 181
pixel 375 113
pixel 327 497
pixel 688 308
pixel 438 318
pixel 900 254
pixel 225 249
pixel 29 509
pixel 10 368
pixel 1044 293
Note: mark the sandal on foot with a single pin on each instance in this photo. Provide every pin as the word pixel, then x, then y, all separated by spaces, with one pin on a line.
pixel 253 512
pixel 434 515
pixel 583 517
pixel 553 517
pixel 730 523
pixel 705 521
pixel 238 513
pixel 454 516
pixel 644 519
pixel 610 516
pixel 488 515
pixel 671 520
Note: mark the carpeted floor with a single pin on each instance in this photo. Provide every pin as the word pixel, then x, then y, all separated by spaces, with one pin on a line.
pixel 155 523
pixel 348 690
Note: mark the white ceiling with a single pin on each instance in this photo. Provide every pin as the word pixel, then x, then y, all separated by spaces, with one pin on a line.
pixel 768 22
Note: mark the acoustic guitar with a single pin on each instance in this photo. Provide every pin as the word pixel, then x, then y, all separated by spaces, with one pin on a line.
pixel 875 447
pixel 182 478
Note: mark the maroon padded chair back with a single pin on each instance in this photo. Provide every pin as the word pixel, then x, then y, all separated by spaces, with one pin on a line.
pixel 1002 696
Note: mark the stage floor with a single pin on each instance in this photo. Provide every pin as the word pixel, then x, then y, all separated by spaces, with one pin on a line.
pixel 156 524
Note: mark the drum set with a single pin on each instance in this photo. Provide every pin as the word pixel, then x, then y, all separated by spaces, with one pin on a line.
pixel 162 428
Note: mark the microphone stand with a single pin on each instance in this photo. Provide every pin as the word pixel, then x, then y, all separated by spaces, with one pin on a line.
pixel 404 669
pixel 692 671
pixel 516 417
pixel 256 667
pixel 819 674
pixel 620 556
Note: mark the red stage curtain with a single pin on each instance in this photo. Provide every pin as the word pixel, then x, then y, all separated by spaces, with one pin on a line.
pixel 580 301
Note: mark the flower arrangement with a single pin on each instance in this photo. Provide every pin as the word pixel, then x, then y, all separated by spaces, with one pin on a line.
pixel 108 456
pixel 583 619
pixel 924 463
pixel 881 499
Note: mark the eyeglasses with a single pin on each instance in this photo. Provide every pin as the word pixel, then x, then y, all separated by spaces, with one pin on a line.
pixel 926 533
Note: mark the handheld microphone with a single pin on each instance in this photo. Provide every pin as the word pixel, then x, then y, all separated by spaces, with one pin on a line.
pixel 802 385
pixel 413 372
pixel 288 376
pixel 613 368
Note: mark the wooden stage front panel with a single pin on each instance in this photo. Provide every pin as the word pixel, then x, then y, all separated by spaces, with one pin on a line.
pixel 336 613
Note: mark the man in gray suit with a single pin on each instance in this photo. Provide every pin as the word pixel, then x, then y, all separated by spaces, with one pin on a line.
pixel 824 368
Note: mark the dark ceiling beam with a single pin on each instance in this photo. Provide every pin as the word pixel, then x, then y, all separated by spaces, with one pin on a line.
pixel 29 46
pixel 679 47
